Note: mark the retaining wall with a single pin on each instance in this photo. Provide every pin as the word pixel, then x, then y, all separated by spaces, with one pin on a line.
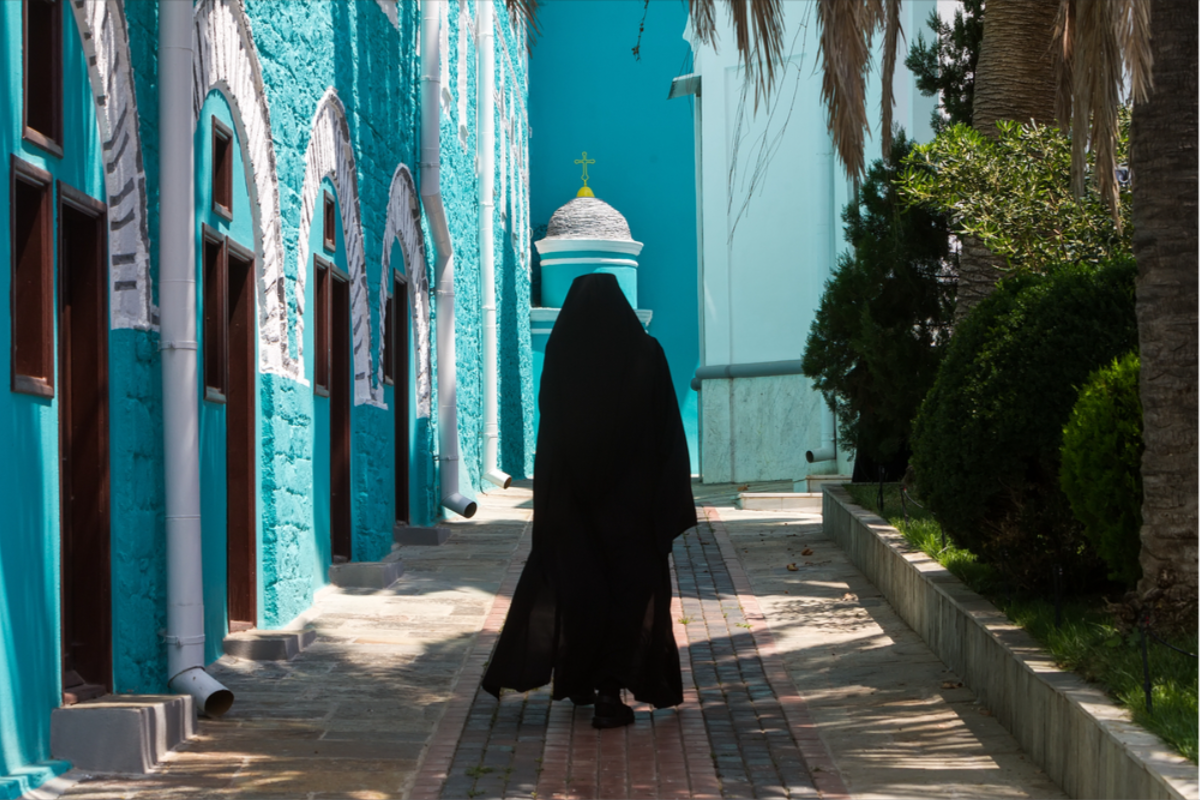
pixel 1084 742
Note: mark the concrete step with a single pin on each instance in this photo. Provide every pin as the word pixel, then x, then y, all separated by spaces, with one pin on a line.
pixel 121 733
pixel 781 501
pixel 814 483
pixel 420 535
pixel 267 646
pixel 368 575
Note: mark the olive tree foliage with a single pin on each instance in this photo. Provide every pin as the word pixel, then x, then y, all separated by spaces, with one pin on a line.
pixel 1014 194
pixel 882 324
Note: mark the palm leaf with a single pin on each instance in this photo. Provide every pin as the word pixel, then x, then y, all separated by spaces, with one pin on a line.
pixel 758 32
pixel 891 36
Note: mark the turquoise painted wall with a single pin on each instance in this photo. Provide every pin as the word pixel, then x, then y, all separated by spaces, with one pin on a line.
pixel 30 654
pixel 515 389
pixel 240 230
pixel 588 92
pixel 303 49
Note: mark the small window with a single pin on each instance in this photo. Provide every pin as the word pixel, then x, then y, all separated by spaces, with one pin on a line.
pixel 32 229
pixel 216 316
pixel 322 323
pixel 43 74
pixel 330 223
pixel 222 170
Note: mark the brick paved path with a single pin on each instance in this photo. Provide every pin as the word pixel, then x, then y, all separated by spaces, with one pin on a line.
pixel 742 731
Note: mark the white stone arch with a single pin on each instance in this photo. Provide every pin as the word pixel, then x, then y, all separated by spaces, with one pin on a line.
pixel 330 154
pixel 225 59
pixel 404 223
pixel 105 41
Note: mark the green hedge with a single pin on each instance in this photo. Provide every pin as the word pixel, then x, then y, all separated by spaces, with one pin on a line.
pixel 1102 466
pixel 986 441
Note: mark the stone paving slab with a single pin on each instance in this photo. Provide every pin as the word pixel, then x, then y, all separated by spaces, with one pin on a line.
pixel 896 721
pixel 798 683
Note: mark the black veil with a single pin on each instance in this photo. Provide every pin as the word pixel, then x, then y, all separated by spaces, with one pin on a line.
pixel 612 489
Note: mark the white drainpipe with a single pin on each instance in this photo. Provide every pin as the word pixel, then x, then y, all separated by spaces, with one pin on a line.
pixel 487 253
pixel 828 449
pixel 177 294
pixel 431 198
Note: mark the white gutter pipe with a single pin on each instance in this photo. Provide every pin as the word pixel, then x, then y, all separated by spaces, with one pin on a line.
pixel 177 294
pixel 828 450
pixel 487 243
pixel 431 198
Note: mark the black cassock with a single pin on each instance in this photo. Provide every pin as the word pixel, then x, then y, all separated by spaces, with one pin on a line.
pixel 611 491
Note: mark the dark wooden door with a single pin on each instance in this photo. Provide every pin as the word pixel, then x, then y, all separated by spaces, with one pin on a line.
pixel 240 439
pixel 340 386
pixel 83 447
pixel 399 353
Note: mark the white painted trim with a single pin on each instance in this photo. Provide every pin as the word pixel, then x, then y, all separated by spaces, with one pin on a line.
pixel 607 262
pixel 225 59
pixel 404 223
pixel 330 154
pixel 105 41
pixel 561 245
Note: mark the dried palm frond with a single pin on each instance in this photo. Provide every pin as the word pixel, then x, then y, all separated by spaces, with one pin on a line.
pixel 758 31
pixel 847 27
pixel 1089 34
pixel 1133 38
pixel 891 36
pixel 1064 30
pixel 524 14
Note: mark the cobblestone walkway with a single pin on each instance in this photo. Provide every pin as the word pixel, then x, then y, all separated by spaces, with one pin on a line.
pixel 742 731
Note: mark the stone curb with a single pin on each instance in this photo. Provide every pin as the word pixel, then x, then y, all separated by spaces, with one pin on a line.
pixel 1084 742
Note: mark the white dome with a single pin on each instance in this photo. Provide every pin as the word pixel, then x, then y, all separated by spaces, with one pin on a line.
pixel 588 218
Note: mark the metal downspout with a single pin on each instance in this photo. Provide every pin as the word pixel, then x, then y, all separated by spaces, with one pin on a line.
pixel 177 290
pixel 431 198
pixel 487 243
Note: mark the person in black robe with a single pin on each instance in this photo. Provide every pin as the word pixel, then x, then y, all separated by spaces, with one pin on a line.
pixel 611 491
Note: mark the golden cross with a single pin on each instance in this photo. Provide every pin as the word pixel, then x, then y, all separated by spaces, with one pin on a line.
pixel 585 161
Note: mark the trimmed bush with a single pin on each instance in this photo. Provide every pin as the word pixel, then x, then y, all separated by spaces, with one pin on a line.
pixel 1102 466
pixel 987 439
pixel 884 319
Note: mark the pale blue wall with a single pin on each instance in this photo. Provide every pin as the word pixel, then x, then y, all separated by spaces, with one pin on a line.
pixel 30 654
pixel 587 92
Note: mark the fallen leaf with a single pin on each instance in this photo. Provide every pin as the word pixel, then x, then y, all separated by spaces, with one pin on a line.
pixel 986 712
pixel 744 487
pixel 949 685
pixel 792 566
pixel 809 563
pixel 806 552
pixel 849 597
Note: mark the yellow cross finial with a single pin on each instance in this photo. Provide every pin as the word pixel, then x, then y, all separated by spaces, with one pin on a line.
pixel 585 191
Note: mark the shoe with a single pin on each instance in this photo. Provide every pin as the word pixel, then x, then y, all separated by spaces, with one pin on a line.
pixel 584 699
pixel 611 713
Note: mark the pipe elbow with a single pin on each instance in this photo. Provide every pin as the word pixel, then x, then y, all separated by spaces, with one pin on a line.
pixel 499 478
pixel 213 698
pixel 460 504
pixel 825 454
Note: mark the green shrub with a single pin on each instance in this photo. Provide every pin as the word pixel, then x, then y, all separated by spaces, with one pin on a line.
pixel 1102 466
pixel 986 441
pixel 881 327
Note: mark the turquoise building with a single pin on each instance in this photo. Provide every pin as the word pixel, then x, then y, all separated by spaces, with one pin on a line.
pixel 738 206
pixel 242 351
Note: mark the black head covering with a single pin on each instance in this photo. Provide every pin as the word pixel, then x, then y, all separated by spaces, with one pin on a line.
pixel 612 489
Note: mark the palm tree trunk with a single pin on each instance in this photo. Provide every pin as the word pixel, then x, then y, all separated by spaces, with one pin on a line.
pixel 1164 166
pixel 1014 80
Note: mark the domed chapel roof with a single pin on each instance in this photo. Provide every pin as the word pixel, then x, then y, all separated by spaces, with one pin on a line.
pixel 588 218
